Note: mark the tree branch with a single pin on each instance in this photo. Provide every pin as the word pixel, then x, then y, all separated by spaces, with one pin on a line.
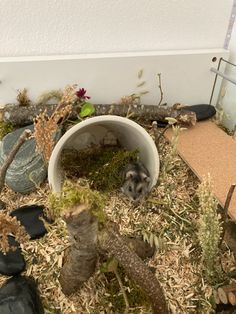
pixel 81 258
pixel 111 241
pixel 25 115
pixel 226 208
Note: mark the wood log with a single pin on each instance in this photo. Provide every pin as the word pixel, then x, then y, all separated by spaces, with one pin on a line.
pixel 232 297
pixel 20 116
pixel 223 292
pixel 216 297
pixel 222 295
pixel 81 258
pixel 111 241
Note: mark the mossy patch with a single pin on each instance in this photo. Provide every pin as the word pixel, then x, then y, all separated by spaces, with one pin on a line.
pixel 5 128
pixel 102 166
pixel 73 193
pixel 114 296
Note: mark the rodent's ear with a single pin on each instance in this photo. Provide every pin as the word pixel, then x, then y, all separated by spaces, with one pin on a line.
pixel 130 174
pixel 145 177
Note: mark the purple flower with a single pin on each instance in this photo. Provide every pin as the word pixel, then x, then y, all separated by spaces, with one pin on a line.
pixel 81 94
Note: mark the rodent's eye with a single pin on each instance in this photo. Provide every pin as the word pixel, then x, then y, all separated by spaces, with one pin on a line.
pixel 140 190
pixel 130 189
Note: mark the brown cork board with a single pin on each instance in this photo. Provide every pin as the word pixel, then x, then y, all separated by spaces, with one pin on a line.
pixel 208 149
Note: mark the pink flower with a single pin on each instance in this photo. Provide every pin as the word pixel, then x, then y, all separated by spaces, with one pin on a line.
pixel 81 94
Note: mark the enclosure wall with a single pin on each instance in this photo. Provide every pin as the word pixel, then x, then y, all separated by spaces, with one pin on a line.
pixel 46 27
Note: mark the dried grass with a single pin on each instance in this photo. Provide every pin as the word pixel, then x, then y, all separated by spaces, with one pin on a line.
pixel 170 213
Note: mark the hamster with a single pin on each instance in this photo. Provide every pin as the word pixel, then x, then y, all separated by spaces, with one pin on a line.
pixel 136 180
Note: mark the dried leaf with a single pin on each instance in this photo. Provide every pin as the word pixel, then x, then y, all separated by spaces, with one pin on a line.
pixel 171 120
pixel 141 84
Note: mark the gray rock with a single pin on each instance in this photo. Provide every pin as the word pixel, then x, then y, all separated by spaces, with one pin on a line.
pixel 19 295
pixel 28 168
pixel 13 262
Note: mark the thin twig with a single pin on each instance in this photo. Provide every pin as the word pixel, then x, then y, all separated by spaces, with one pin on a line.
pixel 181 218
pixel 3 170
pixel 163 132
pixel 129 112
pixel 123 291
pixel 160 87
pixel 157 134
pixel 226 208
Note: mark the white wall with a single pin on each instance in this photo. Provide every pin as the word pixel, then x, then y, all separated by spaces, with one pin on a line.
pixel 64 27
pixel 46 27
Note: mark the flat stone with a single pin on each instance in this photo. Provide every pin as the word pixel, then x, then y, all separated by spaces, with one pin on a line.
pixel 203 111
pixel 12 263
pixel 19 295
pixel 29 217
pixel 28 168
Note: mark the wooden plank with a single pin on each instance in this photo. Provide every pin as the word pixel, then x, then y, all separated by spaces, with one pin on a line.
pixel 208 149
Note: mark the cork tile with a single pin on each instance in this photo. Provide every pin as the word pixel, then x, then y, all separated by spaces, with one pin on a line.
pixel 208 149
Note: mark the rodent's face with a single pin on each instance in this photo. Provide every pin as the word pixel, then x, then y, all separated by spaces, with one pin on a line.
pixel 135 190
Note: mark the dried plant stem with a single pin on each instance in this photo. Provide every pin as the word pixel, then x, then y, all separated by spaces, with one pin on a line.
pixel 157 134
pixel 160 87
pixel 3 170
pixel 123 291
pixel 181 218
pixel 226 208
pixel 129 113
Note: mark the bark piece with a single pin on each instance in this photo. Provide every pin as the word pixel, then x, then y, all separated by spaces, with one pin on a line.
pixel 81 257
pixel 141 248
pixel 24 115
pixel 230 235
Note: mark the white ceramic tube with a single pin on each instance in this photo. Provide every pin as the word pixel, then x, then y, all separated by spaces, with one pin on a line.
pixel 130 135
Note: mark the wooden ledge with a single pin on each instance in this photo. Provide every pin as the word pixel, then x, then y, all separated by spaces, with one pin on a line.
pixel 208 149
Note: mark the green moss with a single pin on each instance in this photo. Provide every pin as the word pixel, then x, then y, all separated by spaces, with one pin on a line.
pixel 100 165
pixel 5 128
pixel 74 194
pixel 114 296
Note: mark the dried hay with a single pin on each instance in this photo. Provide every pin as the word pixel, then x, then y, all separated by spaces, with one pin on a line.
pixel 167 219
